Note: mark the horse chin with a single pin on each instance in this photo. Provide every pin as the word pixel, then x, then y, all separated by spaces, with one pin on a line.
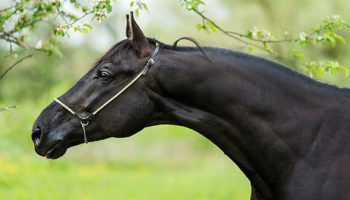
pixel 60 149
pixel 56 151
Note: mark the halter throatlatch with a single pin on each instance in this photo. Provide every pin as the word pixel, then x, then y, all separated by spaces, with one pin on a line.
pixel 84 121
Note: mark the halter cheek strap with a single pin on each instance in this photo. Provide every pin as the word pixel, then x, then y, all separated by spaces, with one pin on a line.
pixel 84 121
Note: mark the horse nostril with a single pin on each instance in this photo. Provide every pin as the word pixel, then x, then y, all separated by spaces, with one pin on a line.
pixel 36 136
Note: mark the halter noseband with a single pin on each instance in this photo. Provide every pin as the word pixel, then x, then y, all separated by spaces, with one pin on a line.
pixel 84 121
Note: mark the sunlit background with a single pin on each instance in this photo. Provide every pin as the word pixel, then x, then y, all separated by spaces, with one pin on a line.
pixel 163 162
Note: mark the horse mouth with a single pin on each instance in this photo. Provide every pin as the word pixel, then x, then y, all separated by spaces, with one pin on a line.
pixel 59 149
pixel 56 151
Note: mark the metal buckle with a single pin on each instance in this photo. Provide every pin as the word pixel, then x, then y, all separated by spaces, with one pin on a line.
pixel 151 61
pixel 84 124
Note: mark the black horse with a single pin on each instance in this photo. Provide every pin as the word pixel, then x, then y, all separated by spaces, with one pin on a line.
pixel 289 134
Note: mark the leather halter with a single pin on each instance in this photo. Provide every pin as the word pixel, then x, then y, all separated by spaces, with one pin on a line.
pixel 84 121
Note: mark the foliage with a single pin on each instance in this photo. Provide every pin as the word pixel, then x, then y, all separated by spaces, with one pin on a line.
pixel 137 6
pixel 121 179
pixel 326 33
pixel 29 15
pixel 22 18
pixel 7 108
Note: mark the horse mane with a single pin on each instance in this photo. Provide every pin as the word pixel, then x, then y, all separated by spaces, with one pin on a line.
pixel 269 65
pixel 120 48
pixel 249 59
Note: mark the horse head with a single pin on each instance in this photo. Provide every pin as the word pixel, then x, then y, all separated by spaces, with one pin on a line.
pixel 63 123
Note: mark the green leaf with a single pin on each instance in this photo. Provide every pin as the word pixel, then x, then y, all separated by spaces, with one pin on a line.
pixel 76 28
pixel 145 6
pixel 84 30
pixel 267 48
pixel 57 51
pixel 49 53
pixel 340 38
pixel 312 63
pixel 346 70
pixel 249 34
pixel 109 8
pixel 99 5
pixel 300 55
pixel 61 33
pixel 332 41
pixel 212 26
pixel 88 25
pixel 302 43
pixel 319 69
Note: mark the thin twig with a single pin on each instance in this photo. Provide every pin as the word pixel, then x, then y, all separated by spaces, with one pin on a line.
pixel 60 14
pixel 12 39
pixel 6 9
pixel 14 30
pixel 237 36
pixel 224 31
pixel 258 40
pixel 14 64
pixel 86 14
pixel 8 39
pixel 7 108
pixel 230 33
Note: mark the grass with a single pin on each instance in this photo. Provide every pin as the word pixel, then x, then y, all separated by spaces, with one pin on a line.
pixel 30 178
pixel 163 162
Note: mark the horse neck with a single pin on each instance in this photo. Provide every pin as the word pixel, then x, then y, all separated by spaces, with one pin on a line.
pixel 262 117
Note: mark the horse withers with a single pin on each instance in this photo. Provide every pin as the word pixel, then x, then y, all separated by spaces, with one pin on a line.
pixel 289 134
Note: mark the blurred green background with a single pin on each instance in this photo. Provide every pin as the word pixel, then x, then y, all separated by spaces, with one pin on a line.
pixel 163 162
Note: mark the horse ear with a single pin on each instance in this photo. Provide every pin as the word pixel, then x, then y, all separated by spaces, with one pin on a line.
pixel 135 35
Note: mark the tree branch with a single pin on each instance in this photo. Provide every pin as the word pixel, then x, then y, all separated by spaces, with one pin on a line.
pixel 257 40
pixel 237 36
pixel 60 14
pixel 14 64
pixel 227 33
pixel 12 39
pixel 230 33
pixel 6 9
pixel 81 17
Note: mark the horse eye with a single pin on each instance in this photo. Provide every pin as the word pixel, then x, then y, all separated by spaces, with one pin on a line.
pixel 104 75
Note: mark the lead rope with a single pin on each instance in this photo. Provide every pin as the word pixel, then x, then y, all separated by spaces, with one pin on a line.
pixel 84 121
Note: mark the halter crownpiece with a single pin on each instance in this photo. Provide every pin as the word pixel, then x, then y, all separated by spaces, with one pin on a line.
pixel 84 121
